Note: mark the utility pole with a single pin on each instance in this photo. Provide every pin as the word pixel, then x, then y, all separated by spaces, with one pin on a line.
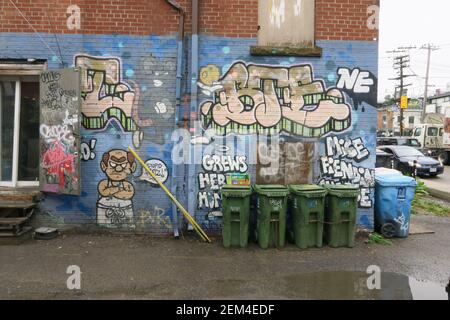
pixel 400 63
pixel 430 48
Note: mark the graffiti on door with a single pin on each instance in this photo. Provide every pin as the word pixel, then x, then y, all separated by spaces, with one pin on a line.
pixel 59 131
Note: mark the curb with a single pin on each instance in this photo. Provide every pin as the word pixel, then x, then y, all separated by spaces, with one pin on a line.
pixel 444 195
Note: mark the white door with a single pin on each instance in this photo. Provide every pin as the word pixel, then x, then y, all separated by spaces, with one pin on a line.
pixel 19 131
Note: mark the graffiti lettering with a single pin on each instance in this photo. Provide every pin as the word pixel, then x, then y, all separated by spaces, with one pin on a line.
pixel 353 149
pixel 56 133
pixel 267 100
pixel 360 85
pixel 159 168
pixel 59 165
pixel 50 76
pixel 403 222
pixel 87 150
pixel 337 167
pixel 56 98
pixel 59 148
pixel 156 218
pixel 214 177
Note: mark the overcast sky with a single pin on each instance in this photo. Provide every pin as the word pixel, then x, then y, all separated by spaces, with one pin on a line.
pixel 415 23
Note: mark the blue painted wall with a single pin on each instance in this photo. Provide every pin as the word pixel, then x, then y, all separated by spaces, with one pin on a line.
pixel 149 63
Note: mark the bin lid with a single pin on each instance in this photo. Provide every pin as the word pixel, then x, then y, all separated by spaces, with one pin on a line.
pixel 307 189
pixel 236 191
pixel 395 181
pixel 271 190
pixel 386 171
pixel 342 190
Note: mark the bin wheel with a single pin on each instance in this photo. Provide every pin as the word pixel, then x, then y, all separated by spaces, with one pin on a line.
pixel 388 230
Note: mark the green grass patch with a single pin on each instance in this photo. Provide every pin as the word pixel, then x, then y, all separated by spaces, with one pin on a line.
pixel 421 204
pixel 376 238
pixel 430 207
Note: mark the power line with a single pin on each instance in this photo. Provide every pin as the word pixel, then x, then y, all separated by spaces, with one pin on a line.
pixel 35 31
pixel 401 62
pixel 430 48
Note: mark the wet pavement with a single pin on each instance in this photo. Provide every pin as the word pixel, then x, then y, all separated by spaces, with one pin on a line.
pixel 138 267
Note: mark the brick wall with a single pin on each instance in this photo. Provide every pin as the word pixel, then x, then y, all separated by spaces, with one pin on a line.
pixel 335 19
pixel 136 17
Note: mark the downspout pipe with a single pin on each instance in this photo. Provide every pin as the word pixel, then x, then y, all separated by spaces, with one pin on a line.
pixel 193 106
pixel 180 50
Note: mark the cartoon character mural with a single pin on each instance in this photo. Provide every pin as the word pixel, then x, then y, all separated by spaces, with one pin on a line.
pixel 115 206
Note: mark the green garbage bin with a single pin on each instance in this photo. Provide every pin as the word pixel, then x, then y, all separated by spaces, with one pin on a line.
pixel 307 210
pixel 340 215
pixel 271 215
pixel 236 209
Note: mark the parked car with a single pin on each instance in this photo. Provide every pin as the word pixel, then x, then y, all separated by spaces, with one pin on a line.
pixel 408 159
pixel 384 159
pixel 398 141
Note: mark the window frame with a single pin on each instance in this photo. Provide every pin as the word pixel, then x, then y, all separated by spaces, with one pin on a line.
pixel 19 73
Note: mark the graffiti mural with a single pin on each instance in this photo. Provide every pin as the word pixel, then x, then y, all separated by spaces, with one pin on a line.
pixel 105 95
pixel 338 167
pixel 215 168
pixel 87 150
pixel 159 168
pixel 59 147
pixel 209 79
pixel 155 218
pixel 268 100
pixel 360 85
pixel 114 205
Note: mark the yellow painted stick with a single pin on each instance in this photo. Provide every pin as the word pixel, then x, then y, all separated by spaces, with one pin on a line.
pixel 192 221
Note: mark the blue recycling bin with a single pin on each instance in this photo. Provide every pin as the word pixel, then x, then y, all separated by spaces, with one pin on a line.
pixel 394 194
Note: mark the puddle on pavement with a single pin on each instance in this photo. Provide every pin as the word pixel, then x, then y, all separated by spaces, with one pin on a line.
pixel 347 285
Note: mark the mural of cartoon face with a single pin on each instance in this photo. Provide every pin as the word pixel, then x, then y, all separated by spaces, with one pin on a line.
pixel 118 164
pixel 115 207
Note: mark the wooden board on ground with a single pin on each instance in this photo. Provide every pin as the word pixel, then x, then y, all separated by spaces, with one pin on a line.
pixel 418 229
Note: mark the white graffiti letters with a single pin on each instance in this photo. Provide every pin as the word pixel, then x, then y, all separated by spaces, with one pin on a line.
pixel 214 177
pixel 349 148
pixel 87 150
pixel 224 163
pixel 337 167
pixel 56 133
pixel 358 81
